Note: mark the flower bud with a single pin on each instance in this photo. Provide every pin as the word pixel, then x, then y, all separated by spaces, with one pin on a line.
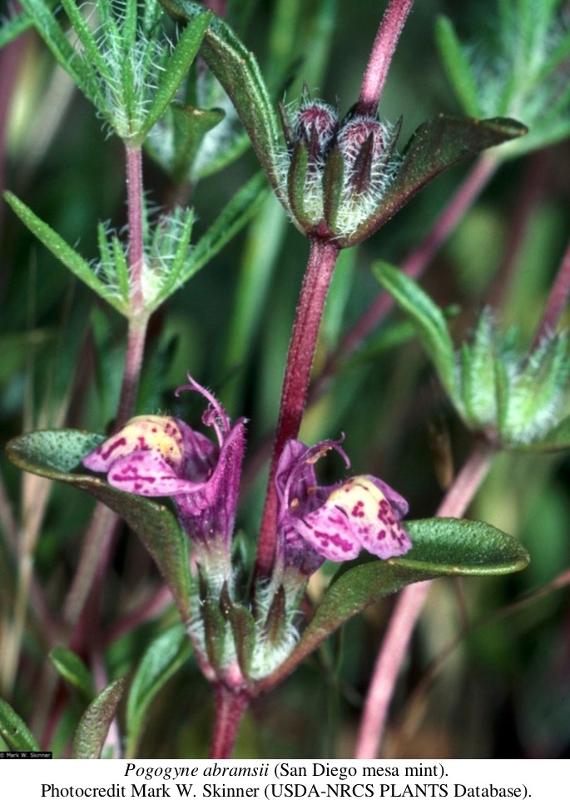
pixel 316 124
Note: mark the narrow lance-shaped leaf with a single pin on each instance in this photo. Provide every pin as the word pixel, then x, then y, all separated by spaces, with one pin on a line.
pixel 86 38
pixel 241 208
pixel 428 319
pixel 50 31
pixel 73 670
pixel 237 70
pixel 165 656
pixel 95 723
pixel 457 67
pixel 435 146
pixel 55 454
pixel 63 252
pixel 478 375
pixel 14 730
pixel 178 65
pixel 441 546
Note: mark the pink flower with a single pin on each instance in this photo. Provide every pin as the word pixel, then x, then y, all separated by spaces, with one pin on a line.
pixel 156 456
pixel 334 522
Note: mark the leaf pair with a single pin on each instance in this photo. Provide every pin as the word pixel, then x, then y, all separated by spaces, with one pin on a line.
pixel 125 66
pixel 169 260
pixel 518 398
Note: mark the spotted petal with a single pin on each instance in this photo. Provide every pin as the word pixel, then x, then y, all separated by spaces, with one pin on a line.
pixel 356 515
pixel 163 435
pixel 147 473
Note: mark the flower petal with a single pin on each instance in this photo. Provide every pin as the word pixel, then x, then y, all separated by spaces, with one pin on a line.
pixel 373 521
pixel 147 473
pixel 328 531
pixel 163 435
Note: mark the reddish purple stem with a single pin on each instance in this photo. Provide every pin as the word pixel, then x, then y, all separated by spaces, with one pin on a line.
pixel 408 609
pixel 135 219
pixel 302 347
pixel 381 55
pixel 230 708
pixel 557 300
pixel 138 318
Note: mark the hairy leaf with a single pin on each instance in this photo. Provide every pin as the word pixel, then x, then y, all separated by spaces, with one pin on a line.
pixel 178 65
pixel 63 252
pixel 428 319
pixel 95 723
pixel 56 454
pixel 237 70
pixel 555 440
pixel 441 546
pixel 457 67
pixel 435 146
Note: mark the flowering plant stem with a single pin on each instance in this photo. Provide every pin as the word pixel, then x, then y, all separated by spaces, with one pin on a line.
pixel 230 708
pixel 408 608
pixel 318 275
pixel 103 518
pixel 381 55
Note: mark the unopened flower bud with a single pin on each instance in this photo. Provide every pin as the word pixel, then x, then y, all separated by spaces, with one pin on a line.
pixel 362 144
pixel 316 124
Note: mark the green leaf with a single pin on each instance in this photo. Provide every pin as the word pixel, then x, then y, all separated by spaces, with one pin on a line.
pixel 165 656
pixel 478 383
pixel 441 546
pixel 190 126
pixel 333 183
pixel 557 439
pixel 428 319
pixel 241 208
pixel 237 70
pixel 73 670
pixel 175 70
pixel 63 252
pixel 296 182
pixel 457 66
pixel 54 454
pixel 87 39
pixel 243 629
pixel 14 730
pixel 95 723
pixel 62 50
pixel 435 146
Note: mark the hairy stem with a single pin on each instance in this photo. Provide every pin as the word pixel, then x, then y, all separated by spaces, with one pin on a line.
pixel 134 354
pixel 318 275
pixel 381 55
pixel 135 220
pixel 408 608
pixel 230 708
